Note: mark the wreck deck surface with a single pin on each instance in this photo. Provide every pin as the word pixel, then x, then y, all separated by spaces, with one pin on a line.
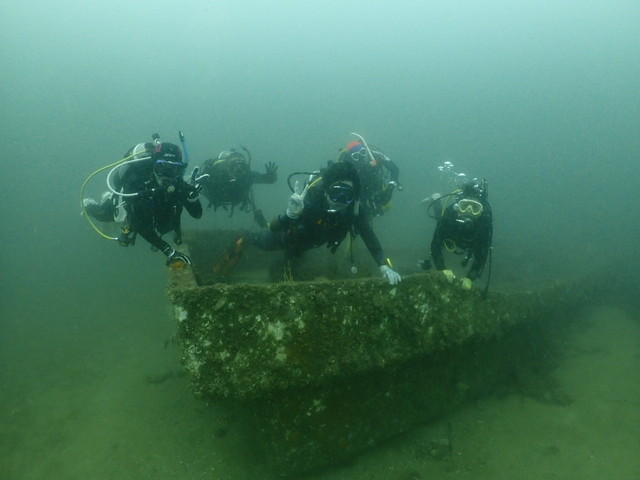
pixel 328 368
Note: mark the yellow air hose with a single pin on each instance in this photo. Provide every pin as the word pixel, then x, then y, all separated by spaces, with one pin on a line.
pixel 84 186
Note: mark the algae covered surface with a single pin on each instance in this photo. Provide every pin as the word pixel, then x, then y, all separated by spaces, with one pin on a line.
pixel 243 340
pixel 258 338
pixel 328 368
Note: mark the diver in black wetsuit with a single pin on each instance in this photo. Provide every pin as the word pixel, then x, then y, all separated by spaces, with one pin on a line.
pixel 230 182
pixel 152 194
pixel 379 175
pixel 324 212
pixel 465 227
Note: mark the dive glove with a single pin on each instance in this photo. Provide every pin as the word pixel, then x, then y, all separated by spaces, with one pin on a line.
pixel 392 276
pixel 449 275
pixel 467 283
pixel 296 201
pixel 175 257
pixel 194 193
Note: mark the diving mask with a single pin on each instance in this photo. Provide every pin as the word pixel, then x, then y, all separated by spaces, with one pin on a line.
pixel 358 154
pixel 339 196
pixel 361 153
pixel 468 208
pixel 168 169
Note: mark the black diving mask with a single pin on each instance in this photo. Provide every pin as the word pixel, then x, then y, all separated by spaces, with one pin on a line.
pixel 341 193
pixel 168 169
pixel 339 196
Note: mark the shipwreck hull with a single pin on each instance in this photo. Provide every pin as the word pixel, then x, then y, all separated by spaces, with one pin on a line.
pixel 329 368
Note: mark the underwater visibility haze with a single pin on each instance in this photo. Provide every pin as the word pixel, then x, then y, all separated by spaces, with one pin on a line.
pixel 540 98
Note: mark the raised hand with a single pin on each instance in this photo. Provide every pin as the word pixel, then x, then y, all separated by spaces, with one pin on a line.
pixel 296 201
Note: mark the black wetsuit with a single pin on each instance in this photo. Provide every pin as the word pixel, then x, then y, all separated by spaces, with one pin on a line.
pixel 376 191
pixel 472 238
pixel 157 209
pixel 316 226
pixel 229 182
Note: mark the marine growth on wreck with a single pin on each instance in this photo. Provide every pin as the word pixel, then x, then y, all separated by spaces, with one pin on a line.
pixel 328 368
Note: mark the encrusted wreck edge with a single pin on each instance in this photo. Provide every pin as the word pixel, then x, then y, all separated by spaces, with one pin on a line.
pixel 330 368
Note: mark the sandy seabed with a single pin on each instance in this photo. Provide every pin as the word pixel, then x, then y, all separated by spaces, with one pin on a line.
pixel 109 402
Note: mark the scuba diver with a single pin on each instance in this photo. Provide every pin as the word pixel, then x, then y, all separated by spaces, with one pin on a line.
pixel 325 211
pixel 230 182
pixel 378 174
pixel 147 193
pixel 464 227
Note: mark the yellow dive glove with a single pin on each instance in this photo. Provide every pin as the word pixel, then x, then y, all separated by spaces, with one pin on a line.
pixel 450 275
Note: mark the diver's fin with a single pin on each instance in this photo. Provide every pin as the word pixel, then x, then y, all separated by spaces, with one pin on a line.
pixel 225 265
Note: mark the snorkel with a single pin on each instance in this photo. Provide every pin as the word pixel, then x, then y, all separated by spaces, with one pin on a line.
pixel 183 142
